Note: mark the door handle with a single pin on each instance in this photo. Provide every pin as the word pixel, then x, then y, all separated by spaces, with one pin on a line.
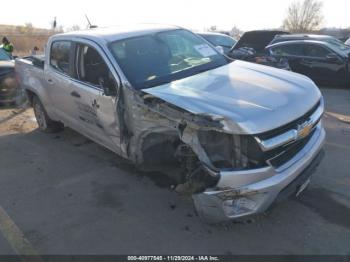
pixel 50 81
pixel 307 62
pixel 95 104
pixel 75 94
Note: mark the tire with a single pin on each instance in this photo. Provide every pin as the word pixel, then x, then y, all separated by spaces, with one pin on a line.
pixel 45 124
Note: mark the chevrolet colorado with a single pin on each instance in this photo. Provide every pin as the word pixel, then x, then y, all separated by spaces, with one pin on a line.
pixel 240 136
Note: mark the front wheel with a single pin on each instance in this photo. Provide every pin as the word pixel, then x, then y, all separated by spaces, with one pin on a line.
pixel 45 123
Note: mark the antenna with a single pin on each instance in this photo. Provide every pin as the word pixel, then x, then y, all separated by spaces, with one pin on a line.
pixel 90 25
pixel 54 23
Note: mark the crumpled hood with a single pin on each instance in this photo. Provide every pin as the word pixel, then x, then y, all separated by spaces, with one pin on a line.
pixel 254 98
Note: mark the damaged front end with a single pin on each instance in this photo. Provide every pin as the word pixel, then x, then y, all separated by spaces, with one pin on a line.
pixel 167 137
pixel 228 173
pixel 198 147
pixel 223 154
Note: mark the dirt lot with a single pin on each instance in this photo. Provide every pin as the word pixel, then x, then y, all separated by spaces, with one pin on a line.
pixel 63 194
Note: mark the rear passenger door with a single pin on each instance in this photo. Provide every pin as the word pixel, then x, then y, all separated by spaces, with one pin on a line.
pixel 58 76
pixel 96 111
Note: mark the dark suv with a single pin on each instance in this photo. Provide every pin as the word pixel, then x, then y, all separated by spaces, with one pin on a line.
pixel 322 61
pixel 251 47
pixel 323 38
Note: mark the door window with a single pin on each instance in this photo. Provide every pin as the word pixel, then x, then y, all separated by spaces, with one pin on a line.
pixel 316 51
pixel 92 69
pixel 60 56
pixel 288 50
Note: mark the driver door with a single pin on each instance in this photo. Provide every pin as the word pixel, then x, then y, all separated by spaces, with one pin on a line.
pixel 96 112
pixel 322 64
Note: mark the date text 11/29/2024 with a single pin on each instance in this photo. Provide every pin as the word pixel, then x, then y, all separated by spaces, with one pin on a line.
pixel 173 258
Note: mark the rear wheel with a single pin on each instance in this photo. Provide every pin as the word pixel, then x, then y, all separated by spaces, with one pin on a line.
pixel 45 123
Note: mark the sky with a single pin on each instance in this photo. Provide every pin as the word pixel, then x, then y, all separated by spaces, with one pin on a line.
pixel 192 14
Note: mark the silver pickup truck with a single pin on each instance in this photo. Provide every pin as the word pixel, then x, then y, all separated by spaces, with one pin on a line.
pixel 238 136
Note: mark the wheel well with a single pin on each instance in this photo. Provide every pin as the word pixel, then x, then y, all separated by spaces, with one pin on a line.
pixel 30 96
pixel 160 148
pixel 163 150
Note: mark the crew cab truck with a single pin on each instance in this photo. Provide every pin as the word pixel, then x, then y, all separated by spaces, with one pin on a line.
pixel 239 136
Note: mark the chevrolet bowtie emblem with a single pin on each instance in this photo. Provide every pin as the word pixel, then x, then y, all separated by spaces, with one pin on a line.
pixel 304 129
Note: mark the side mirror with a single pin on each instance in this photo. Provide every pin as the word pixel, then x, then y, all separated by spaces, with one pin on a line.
pixel 332 58
pixel 109 87
pixel 110 90
pixel 220 49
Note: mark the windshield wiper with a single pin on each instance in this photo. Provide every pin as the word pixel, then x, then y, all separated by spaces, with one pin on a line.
pixel 207 69
pixel 156 84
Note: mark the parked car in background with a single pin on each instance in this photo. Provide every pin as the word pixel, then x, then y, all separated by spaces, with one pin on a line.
pixel 217 39
pixel 323 38
pixel 347 42
pixel 257 40
pixel 238 136
pixel 251 47
pixel 8 85
pixel 323 62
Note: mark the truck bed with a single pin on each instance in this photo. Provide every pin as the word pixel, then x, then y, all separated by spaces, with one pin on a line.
pixel 30 72
pixel 36 60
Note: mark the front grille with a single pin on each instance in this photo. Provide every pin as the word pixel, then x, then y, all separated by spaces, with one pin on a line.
pixel 289 151
pixel 290 125
pixel 279 156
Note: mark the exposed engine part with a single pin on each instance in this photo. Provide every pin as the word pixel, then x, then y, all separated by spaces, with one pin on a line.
pixel 190 137
pixel 198 177
pixel 198 181
pixel 159 149
pixel 187 158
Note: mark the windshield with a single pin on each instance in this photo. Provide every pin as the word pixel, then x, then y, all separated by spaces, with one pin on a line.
pixel 348 42
pixel 339 44
pixel 152 60
pixel 4 56
pixel 218 40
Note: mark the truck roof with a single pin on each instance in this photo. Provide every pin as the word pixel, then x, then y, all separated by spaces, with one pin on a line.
pixel 110 34
pixel 306 36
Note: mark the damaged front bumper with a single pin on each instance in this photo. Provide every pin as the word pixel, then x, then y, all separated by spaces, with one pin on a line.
pixel 243 193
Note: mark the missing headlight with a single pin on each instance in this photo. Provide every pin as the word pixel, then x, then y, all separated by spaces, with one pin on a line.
pixel 230 151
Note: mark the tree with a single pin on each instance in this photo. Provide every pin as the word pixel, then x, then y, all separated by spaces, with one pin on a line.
pixel 29 28
pixel 236 32
pixel 213 28
pixel 73 28
pixel 303 17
